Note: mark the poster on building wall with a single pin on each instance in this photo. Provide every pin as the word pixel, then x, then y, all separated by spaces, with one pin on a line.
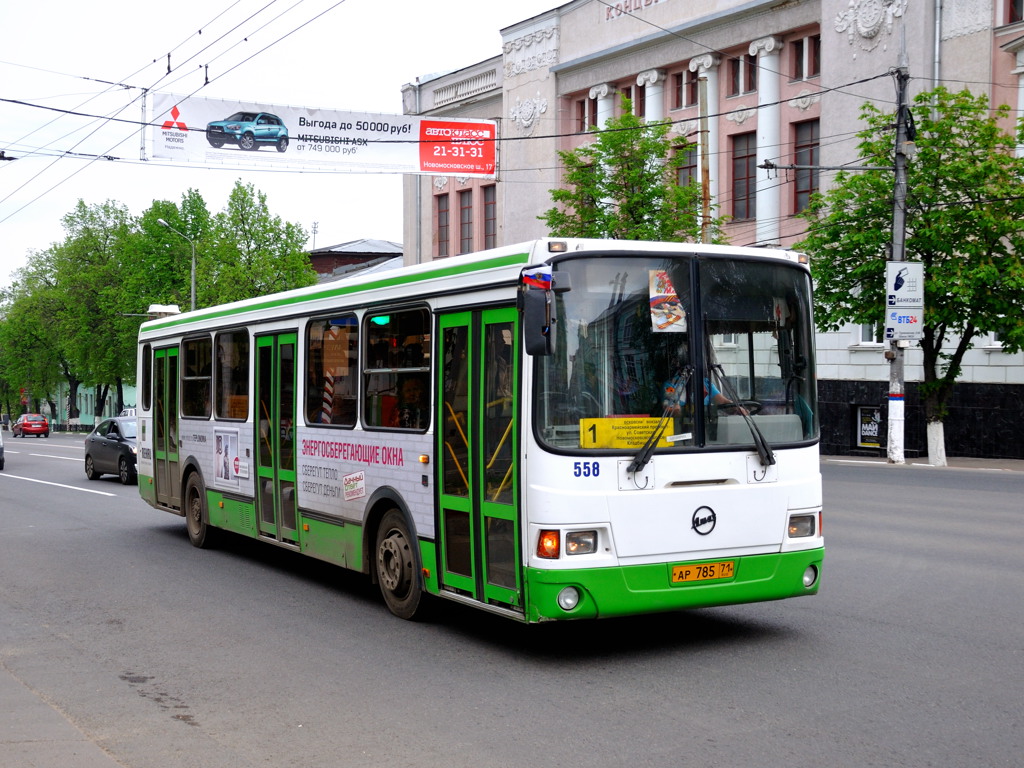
pixel 869 426
pixel 212 132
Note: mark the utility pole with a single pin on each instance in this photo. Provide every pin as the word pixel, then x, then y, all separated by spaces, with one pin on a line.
pixel 895 353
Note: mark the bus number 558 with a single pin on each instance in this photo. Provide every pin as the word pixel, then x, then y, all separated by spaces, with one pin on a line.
pixel 586 469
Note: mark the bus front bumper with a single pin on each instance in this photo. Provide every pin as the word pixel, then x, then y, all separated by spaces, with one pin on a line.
pixel 638 589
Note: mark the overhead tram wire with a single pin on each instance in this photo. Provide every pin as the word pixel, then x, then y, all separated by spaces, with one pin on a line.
pixel 107 154
pixel 106 119
pixel 122 84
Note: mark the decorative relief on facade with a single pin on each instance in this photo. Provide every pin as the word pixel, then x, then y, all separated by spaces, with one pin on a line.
pixel 526 111
pixel 740 115
pixel 440 182
pixel 602 91
pixel 686 127
pixel 537 50
pixel 965 17
pixel 804 100
pixel 865 20
pixel 464 89
pixel 705 62
pixel 462 180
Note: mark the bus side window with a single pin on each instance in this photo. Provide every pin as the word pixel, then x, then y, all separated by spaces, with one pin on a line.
pixel 232 383
pixel 331 371
pixel 397 370
pixel 195 377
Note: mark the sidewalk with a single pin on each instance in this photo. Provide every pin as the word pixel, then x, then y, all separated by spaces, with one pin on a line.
pixel 35 735
pixel 952 462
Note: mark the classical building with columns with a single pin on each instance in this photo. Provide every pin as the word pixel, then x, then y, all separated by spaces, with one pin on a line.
pixel 785 81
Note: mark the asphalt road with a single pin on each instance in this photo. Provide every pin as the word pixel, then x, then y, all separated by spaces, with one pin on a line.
pixel 162 655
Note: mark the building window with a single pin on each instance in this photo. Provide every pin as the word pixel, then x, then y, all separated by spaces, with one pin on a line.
pixel 806 153
pixel 640 101
pixel 742 74
pixel 490 216
pixel 684 89
pixel 688 171
pixel 744 176
pixel 1015 11
pixel 442 225
pixel 869 333
pixel 586 114
pixel 807 57
pixel 466 221
pixel 625 93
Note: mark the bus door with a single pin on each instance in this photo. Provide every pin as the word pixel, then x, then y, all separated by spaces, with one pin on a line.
pixel 275 437
pixel 478 448
pixel 165 427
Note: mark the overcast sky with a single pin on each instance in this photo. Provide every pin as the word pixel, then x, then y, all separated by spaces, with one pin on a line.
pixel 350 56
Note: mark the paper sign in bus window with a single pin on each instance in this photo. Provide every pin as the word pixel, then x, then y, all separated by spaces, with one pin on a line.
pixel 667 313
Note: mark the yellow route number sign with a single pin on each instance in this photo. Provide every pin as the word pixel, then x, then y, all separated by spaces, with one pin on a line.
pixel 620 432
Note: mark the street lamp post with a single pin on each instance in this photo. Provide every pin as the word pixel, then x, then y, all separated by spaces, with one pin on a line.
pixel 191 242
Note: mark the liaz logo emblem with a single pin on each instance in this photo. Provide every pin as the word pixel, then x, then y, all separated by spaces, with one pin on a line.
pixel 704 520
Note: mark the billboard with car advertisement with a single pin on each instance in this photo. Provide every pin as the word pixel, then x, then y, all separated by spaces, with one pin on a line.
pixel 245 134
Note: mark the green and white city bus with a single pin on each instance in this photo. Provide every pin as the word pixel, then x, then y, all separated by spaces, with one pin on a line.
pixel 561 429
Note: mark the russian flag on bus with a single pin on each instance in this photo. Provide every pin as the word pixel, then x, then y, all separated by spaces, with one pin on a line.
pixel 539 279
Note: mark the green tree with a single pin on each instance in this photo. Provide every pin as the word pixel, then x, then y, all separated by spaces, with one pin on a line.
pixel 32 356
pixel 965 223
pixel 97 332
pixel 162 259
pixel 251 252
pixel 624 185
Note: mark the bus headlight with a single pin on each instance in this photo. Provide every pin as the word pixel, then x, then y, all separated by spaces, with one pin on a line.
pixel 581 543
pixel 801 526
pixel 568 598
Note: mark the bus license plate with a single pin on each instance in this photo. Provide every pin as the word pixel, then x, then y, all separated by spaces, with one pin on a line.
pixel 723 569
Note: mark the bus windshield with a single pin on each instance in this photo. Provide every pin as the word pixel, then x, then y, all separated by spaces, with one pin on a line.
pixel 704 352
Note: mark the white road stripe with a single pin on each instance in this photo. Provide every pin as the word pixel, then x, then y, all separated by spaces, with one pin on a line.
pixel 58 485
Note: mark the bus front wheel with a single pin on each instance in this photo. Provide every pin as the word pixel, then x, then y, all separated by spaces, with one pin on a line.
pixel 395 565
pixel 200 534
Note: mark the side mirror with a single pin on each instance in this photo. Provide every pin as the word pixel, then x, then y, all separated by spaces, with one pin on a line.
pixel 537 331
pixel 536 302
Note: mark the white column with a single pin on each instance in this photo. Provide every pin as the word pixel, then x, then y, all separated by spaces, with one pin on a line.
pixel 605 95
pixel 1019 72
pixel 653 80
pixel 769 133
pixel 706 66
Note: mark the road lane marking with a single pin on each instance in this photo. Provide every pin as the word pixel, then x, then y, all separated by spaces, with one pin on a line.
pixel 48 456
pixel 58 485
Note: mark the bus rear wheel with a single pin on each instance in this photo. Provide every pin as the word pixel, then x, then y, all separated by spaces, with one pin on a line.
pixel 396 565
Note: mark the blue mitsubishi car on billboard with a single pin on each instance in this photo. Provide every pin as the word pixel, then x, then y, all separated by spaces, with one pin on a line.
pixel 248 130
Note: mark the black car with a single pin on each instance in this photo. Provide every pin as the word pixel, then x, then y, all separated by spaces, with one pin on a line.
pixel 110 449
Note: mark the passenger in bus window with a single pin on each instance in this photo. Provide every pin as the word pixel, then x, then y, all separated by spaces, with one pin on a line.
pixel 410 411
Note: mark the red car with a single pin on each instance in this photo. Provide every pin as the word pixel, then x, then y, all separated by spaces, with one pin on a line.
pixel 30 424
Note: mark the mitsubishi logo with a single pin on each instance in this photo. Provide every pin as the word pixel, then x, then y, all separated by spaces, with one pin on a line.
pixel 174 122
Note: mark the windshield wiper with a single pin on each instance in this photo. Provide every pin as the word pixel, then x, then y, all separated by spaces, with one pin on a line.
pixel 764 450
pixel 643 456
